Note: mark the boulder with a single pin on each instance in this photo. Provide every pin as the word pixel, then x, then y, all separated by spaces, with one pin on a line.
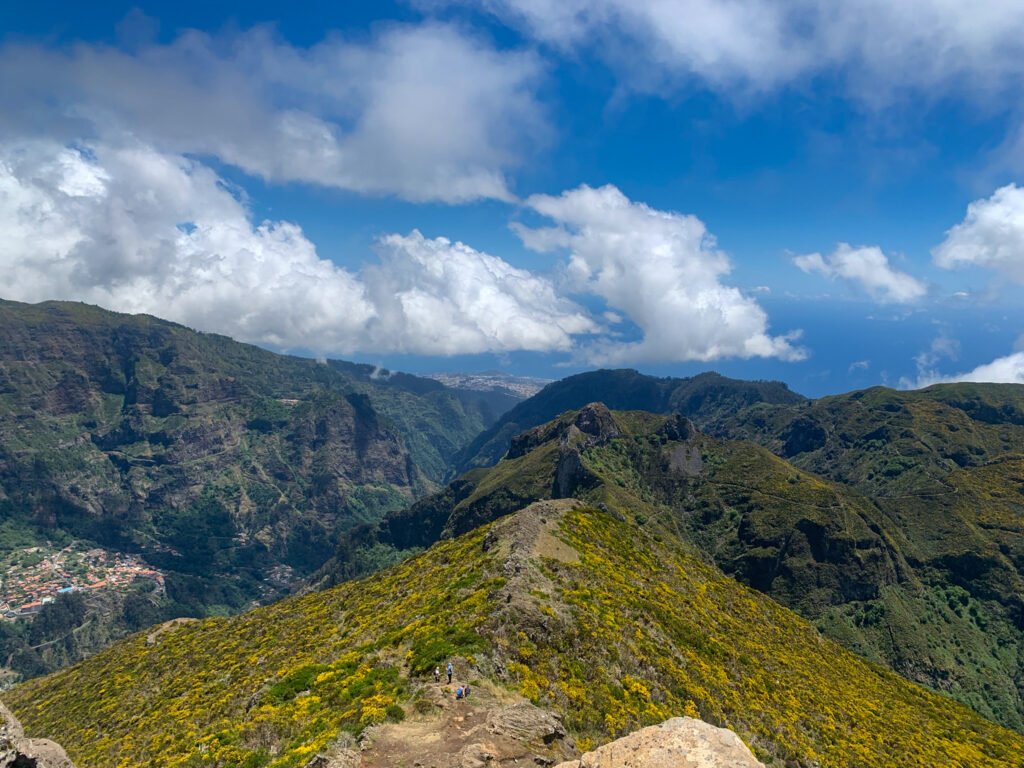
pixel 18 752
pixel 681 742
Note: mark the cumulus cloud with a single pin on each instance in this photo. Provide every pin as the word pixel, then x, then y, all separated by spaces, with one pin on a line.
pixel 879 46
pixel 867 267
pixel 1002 370
pixel 661 269
pixel 439 297
pixel 991 236
pixel 423 112
pixel 139 230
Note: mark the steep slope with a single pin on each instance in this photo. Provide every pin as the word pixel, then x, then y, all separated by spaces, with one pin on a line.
pixel 222 464
pixel 604 623
pixel 706 397
pixel 932 591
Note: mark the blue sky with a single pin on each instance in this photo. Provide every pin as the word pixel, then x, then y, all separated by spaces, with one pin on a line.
pixel 823 194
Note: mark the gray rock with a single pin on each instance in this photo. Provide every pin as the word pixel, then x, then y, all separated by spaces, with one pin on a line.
pixel 18 752
pixel 681 742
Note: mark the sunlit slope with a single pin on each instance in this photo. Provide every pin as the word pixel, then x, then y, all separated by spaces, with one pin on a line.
pixel 591 615
pixel 927 583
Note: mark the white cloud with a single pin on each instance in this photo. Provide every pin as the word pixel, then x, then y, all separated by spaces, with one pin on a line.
pixel 138 230
pixel 868 267
pixel 141 230
pixel 878 46
pixel 661 269
pixel 991 235
pixel 439 297
pixel 424 112
pixel 1002 370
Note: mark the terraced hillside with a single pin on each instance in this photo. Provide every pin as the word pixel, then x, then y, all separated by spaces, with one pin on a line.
pixel 928 584
pixel 602 620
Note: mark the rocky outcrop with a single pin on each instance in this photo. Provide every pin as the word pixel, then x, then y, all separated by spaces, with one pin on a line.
pixel 18 752
pixel 681 742
pixel 592 425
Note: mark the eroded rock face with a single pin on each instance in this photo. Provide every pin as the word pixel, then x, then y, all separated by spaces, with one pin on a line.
pixel 681 742
pixel 18 752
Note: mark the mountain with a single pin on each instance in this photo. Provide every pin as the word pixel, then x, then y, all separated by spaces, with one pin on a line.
pixel 605 623
pixel 705 397
pixel 228 470
pixel 929 585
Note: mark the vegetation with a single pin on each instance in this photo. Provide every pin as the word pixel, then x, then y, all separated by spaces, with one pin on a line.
pixel 610 624
pixel 927 584
pixel 222 464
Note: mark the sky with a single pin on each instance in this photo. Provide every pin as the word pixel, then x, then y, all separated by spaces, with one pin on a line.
pixel 828 194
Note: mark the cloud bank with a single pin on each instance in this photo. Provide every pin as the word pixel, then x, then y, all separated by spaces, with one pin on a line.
pixel 422 112
pixel 140 230
pixel 867 267
pixel 661 269
pixel 137 230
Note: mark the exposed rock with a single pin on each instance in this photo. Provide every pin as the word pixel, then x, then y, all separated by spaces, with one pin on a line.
pixel 678 427
pixel 525 722
pixel 681 742
pixel 486 731
pixel 167 626
pixel 18 752
pixel 592 425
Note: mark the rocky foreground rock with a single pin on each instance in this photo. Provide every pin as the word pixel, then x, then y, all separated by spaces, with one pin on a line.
pixel 18 752
pixel 681 742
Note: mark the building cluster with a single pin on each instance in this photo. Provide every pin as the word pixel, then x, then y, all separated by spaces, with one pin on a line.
pixel 32 577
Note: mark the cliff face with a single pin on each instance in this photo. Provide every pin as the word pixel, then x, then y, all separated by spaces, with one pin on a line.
pixel 218 462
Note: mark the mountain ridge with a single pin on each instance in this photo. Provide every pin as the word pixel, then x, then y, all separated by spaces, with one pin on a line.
pixel 699 397
pixel 538 601
pixel 942 611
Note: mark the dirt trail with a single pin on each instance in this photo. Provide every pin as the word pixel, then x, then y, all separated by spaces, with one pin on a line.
pixel 491 728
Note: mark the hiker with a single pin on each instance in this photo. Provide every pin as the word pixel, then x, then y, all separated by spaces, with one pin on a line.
pixel 458 693
pixel 451 669
pixel 465 692
pixel 437 674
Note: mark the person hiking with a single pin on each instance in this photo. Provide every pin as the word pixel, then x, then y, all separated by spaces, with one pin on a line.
pixel 437 674
pixel 458 693
pixel 451 669
pixel 465 692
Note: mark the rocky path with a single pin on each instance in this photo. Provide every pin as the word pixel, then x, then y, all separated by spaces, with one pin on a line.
pixel 491 728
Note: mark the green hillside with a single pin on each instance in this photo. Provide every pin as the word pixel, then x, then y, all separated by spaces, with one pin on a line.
pixel 220 463
pixel 927 585
pixel 609 624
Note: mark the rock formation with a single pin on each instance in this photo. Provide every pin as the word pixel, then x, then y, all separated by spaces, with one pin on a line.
pixel 681 742
pixel 18 752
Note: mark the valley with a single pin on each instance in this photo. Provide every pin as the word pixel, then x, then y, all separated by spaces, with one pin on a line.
pixel 804 573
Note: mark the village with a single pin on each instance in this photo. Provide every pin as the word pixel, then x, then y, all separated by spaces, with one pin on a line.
pixel 34 576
